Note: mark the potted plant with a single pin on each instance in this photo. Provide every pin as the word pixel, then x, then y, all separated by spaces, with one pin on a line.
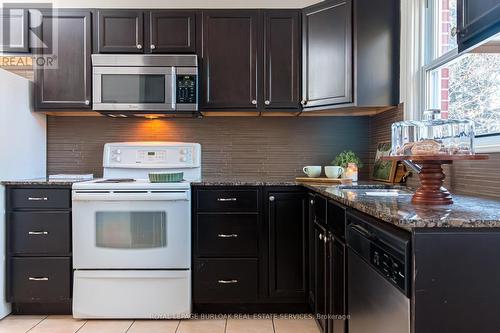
pixel 350 162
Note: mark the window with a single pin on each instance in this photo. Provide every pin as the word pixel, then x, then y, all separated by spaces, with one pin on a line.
pixel 461 86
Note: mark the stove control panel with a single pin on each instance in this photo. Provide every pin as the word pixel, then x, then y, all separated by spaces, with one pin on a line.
pixel 152 156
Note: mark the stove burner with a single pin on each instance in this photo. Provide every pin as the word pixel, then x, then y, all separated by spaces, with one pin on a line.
pixel 116 180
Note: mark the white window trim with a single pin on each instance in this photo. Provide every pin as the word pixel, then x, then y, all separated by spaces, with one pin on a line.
pixel 416 65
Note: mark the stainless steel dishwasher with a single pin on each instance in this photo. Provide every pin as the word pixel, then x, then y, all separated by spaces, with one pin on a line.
pixel 378 276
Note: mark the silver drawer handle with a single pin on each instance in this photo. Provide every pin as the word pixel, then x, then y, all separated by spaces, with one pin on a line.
pixel 38 232
pixel 227 235
pixel 227 281
pixel 226 199
pixel 38 198
pixel 38 278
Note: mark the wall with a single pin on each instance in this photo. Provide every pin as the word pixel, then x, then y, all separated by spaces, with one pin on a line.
pixel 274 148
pixel 477 178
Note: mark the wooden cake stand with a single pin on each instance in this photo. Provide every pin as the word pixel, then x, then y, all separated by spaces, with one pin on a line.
pixel 431 190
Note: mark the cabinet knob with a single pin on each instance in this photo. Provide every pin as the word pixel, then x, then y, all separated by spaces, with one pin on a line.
pixel 303 102
pixel 267 102
pixel 271 198
pixel 320 236
pixel 87 102
pixel 312 202
pixel 139 46
pixel 153 46
pixel 254 102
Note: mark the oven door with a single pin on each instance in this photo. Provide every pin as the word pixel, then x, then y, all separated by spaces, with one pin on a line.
pixel 134 88
pixel 131 229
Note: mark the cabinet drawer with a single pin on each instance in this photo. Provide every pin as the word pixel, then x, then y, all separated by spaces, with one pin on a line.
pixel 228 200
pixel 40 198
pixel 227 235
pixel 225 280
pixel 46 233
pixel 40 279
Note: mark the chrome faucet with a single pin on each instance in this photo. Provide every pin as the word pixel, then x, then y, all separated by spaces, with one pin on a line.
pixel 415 167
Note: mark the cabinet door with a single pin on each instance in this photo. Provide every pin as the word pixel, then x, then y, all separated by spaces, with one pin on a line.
pixel 311 246
pixel 336 286
pixel 477 20
pixel 229 59
pixel 14 30
pixel 65 80
pixel 172 31
pixel 287 245
pixel 120 31
pixel 281 59
pixel 327 54
pixel 320 268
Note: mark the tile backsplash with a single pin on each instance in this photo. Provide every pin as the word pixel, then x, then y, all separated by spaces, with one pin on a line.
pixel 274 148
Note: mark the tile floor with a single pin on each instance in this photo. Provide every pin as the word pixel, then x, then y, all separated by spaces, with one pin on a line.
pixel 66 324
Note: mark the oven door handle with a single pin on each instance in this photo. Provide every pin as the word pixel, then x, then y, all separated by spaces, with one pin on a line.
pixel 130 196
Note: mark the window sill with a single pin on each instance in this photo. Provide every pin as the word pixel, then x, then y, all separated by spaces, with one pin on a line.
pixel 488 144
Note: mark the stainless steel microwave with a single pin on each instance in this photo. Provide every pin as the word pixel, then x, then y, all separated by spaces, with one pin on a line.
pixel 144 83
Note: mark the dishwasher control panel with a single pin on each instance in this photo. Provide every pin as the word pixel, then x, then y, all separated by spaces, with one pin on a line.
pixel 388 265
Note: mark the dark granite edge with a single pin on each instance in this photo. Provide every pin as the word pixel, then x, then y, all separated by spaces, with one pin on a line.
pixel 37 182
pixel 244 183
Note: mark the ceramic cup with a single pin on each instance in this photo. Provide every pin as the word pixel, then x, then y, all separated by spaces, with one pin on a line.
pixel 312 171
pixel 334 171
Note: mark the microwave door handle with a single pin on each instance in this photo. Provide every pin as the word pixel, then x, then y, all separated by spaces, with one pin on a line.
pixel 174 88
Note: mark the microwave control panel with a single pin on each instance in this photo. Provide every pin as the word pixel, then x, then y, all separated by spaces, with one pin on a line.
pixel 186 89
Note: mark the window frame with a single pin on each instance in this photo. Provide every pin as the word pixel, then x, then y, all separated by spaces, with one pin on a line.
pixel 488 143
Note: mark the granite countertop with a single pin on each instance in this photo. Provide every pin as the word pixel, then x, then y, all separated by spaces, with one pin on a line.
pixel 39 181
pixel 465 212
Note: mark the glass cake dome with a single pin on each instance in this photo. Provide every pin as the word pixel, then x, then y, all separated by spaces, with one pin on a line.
pixel 433 136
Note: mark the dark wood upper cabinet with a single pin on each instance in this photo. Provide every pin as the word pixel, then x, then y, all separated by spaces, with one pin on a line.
pixel 282 59
pixel 327 53
pixel 172 31
pixel 287 245
pixel 377 34
pixel 477 21
pixel 14 25
pixel 229 59
pixel 65 80
pixel 119 31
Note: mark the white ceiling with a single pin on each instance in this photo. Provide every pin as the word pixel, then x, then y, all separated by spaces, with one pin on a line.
pixel 173 3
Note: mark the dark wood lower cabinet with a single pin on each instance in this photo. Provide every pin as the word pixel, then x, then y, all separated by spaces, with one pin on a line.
pixel 250 250
pixel 39 262
pixel 327 264
pixel 337 304
pixel 286 222
pixel 225 280
pixel 46 279
pixel 320 267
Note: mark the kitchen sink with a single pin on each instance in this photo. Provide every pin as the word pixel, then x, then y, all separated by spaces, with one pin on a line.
pixel 371 187
pixel 378 190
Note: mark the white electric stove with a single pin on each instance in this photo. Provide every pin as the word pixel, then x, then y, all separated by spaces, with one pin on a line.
pixel 132 238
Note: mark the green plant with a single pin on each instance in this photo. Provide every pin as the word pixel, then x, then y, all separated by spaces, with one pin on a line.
pixel 346 157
